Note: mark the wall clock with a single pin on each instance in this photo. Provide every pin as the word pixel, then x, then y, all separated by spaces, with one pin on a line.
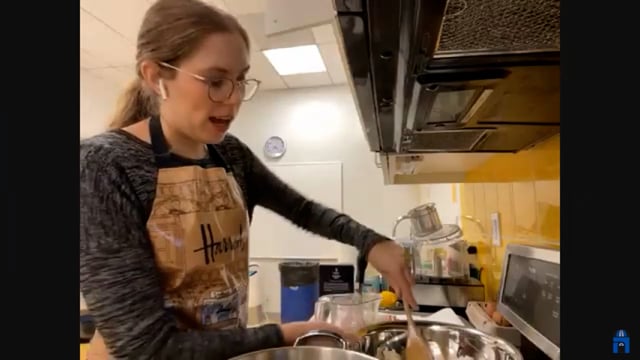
pixel 274 147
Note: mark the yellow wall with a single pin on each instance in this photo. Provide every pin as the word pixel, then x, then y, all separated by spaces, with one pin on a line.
pixel 524 188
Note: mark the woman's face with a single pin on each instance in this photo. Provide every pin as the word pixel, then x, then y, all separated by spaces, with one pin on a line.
pixel 189 107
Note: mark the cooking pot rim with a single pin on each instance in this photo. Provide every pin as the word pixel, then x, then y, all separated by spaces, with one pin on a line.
pixel 325 349
pixel 402 324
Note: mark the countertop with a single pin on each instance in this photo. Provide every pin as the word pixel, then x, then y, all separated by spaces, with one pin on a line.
pixel 420 315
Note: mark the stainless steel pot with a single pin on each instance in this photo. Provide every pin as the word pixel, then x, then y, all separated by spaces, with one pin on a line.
pixel 314 345
pixel 304 353
pixel 424 220
pixel 387 341
pixel 321 338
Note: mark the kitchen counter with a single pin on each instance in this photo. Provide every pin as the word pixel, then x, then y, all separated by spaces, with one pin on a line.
pixel 274 318
pixel 418 315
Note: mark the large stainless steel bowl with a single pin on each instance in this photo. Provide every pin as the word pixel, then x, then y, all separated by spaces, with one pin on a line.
pixel 304 353
pixel 386 341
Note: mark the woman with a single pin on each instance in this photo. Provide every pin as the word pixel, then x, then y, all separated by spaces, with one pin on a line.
pixel 167 196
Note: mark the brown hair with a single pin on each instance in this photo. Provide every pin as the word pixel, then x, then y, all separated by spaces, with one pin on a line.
pixel 171 30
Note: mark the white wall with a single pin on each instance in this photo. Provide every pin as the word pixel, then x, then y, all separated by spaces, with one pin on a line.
pixel 322 124
pixel 97 101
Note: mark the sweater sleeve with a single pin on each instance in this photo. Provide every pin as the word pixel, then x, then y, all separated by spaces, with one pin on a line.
pixel 120 283
pixel 274 194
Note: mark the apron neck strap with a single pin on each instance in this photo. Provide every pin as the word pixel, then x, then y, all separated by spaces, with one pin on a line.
pixel 162 151
pixel 158 142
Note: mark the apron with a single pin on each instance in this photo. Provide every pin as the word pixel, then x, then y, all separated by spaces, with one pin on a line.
pixel 199 229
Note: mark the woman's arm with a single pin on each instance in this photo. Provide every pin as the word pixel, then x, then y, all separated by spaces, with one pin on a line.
pixel 120 283
pixel 272 193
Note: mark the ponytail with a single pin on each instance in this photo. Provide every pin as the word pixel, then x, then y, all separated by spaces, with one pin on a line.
pixel 134 105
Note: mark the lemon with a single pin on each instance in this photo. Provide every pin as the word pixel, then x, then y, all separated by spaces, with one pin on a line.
pixel 388 299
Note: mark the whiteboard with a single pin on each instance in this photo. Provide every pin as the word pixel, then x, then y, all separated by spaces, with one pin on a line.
pixel 272 236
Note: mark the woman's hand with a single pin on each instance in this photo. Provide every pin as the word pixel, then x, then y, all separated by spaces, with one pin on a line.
pixel 293 330
pixel 388 258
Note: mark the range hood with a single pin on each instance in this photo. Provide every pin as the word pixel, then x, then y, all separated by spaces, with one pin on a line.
pixel 457 76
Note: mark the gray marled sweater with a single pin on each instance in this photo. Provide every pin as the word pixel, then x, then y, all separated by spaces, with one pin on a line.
pixel 118 275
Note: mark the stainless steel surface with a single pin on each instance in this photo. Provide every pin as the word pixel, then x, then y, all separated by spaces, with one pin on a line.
pixel 387 340
pixel 537 338
pixel 469 25
pixel 448 293
pixel 304 353
pixel 453 75
pixel 424 220
pixel 458 110
pixel 447 233
pixel 434 249
pixel 533 252
pixel 420 314
pixel 321 338
pixel 427 231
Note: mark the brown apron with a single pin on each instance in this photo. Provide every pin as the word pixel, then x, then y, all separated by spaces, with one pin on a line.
pixel 199 228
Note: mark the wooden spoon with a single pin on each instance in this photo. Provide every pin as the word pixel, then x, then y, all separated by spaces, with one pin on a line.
pixel 416 348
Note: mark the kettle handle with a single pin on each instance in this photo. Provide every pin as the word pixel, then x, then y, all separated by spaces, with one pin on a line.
pixel 395 226
pixel 325 333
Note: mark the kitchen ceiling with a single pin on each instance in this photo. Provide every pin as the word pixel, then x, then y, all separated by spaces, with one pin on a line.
pixel 108 31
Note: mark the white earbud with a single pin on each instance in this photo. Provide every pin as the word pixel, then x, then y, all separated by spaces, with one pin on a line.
pixel 163 91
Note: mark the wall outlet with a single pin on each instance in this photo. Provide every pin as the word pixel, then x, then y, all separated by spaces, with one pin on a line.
pixel 496 237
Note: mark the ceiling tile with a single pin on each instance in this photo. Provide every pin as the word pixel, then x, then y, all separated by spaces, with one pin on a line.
pixel 254 23
pixel 286 15
pixel 262 70
pixel 334 62
pixel 243 7
pixel 103 42
pixel 323 34
pixel 307 80
pixel 272 84
pixel 123 16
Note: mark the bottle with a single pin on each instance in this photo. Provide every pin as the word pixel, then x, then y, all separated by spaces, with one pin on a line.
pixel 474 267
pixel 426 259
pixel 372 281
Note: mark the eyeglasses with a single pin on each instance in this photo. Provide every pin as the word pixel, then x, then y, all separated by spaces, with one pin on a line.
pixel 221 89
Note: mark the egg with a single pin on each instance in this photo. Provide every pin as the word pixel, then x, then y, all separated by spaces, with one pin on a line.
pixel 497 317
pixel 490 308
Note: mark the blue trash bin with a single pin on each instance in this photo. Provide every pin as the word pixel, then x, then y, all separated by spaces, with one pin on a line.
pixel 299 290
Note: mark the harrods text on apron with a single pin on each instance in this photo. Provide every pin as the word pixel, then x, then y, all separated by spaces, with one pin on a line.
pixel 199 228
